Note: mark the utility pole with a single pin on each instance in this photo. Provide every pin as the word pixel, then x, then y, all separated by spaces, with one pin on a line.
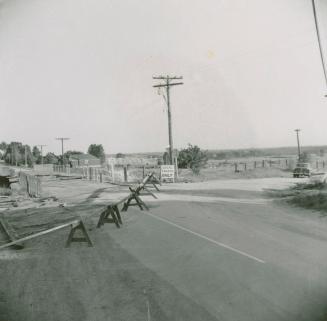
pixel 319 40
pixel 62 147
pixel 41 147
pixel 16 153
pixel 25 155
pixel 167 84
pixel 298 143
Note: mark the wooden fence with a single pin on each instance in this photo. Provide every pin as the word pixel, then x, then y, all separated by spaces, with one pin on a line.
pixel 111 173
pixel 30 184
pixel 283 163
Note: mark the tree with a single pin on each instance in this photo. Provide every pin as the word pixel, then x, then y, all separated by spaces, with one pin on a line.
pixel 37 155
pixel 51 158
pixel 321 152
pixel 192 157
pixel 120 155
pixel 70 153
pixel 15 154
pixel 73 152
pixel 97 151
pixel 3 146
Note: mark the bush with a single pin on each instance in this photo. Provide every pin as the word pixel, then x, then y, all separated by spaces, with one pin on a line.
pixel 192 157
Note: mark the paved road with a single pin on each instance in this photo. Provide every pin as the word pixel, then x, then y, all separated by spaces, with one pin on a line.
pixel 238 260
pixel 211 251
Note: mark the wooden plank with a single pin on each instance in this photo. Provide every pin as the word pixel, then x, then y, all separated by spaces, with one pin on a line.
pixel 10 232
pixel 29 237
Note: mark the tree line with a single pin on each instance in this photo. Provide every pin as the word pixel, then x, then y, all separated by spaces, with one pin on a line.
pixel 19 154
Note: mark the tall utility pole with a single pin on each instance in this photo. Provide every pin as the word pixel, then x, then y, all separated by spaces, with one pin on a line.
pixel 319 40
pixel 298 143
pixel 41 147
pixel 15 153
pixel 62 147
pixel 25 155
pixel 167 84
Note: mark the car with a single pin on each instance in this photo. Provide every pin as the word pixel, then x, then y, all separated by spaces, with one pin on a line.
pixel 318 177
pixel 302 169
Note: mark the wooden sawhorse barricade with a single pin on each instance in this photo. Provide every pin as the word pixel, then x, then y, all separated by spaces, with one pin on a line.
pixel 111 212
pixel 74 226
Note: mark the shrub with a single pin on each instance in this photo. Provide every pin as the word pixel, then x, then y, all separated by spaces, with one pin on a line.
pixel 192 157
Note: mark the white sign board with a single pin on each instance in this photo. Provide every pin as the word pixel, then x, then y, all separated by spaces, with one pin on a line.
pixel 167 173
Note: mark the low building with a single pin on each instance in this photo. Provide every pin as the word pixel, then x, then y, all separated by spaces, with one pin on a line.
pixel 84 160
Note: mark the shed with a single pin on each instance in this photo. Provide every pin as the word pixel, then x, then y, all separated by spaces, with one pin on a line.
pixel 84 160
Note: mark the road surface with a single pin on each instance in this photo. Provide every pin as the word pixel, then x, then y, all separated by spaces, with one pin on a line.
pixel 207 251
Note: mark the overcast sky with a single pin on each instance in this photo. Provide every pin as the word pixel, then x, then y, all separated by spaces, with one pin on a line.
pixel 83 69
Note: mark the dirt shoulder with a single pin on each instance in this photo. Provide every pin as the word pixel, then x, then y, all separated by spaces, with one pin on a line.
pixel 46 281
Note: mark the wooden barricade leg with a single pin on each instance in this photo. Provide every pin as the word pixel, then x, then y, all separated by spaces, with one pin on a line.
pixel 149 192
pixel 126 205
pixel 155 186
pixel 11 233
pixel 138 202
pixel 104 217
pixel 80 226
pixel 154 181
pixel 100 222
pixel 116 209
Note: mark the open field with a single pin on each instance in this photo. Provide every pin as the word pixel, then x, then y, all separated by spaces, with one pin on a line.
pixel 208 174
pixel 216 250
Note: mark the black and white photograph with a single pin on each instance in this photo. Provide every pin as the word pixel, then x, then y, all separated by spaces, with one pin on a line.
pixel 163 160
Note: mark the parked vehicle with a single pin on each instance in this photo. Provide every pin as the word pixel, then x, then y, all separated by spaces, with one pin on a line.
pixel 302 170
pixel 318 177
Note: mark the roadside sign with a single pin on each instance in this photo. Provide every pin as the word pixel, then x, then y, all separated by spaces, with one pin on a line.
pixel 167 173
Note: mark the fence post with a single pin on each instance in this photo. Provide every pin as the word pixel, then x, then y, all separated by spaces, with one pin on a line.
pixel 255 164
pixel 113 172
pixel 125 173
pixel 245 166
pixel 263 163
pixel 176 168
pixel 235 167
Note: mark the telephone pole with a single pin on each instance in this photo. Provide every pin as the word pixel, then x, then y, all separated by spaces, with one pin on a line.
pixel 62 147
pixel 298 143
pixel 25 155
pixel 319 40
pixel 41 147
pixel 167 84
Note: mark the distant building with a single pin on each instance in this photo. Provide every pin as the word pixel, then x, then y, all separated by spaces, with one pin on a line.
pixel 84 160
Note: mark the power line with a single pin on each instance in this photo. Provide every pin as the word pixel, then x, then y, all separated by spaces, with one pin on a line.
pixel 62 147
pixel 167 84
pixel 319 41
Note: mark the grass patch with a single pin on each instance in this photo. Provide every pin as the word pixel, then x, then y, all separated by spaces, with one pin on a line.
pixel 309 196
pixel 207 174
pixel 316 201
